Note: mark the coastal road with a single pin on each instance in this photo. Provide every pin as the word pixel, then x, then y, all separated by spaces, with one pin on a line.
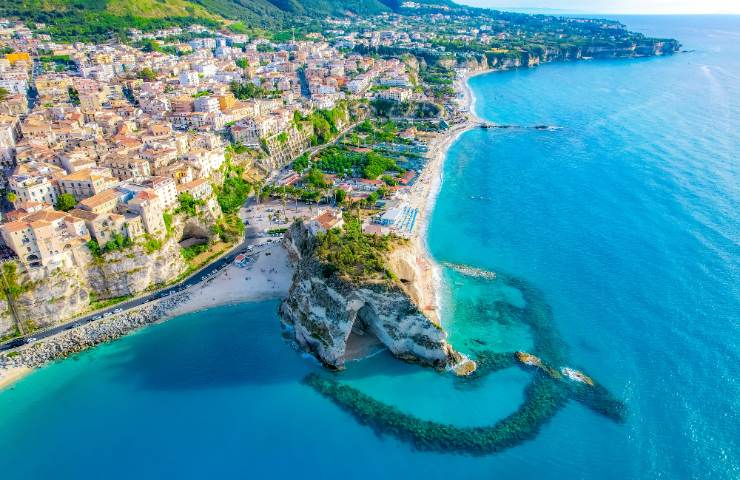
pixel 194 279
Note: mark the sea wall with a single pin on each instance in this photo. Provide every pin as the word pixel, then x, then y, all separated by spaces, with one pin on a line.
pixel 78 339
pixel 323 311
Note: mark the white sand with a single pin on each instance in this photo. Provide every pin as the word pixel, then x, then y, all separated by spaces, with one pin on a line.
pixel 423 195
pixel 268 277
pixel 11 375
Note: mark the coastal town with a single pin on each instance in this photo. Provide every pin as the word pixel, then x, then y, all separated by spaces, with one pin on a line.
pixel 132 165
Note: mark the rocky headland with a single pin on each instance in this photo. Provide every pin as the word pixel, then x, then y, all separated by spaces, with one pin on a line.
pixel 326 310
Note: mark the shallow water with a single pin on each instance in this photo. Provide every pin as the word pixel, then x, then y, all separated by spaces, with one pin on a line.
pixel 615 240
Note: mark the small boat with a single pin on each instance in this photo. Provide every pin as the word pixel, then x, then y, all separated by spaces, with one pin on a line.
pixel 577 376
pixel 529 359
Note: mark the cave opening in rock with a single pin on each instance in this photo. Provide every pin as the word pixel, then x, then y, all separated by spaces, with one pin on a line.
pixel 362 341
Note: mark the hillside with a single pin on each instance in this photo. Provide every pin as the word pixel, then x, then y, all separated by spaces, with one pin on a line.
pixel 95 20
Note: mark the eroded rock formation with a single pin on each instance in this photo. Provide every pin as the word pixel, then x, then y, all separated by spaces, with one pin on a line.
pixel 323 310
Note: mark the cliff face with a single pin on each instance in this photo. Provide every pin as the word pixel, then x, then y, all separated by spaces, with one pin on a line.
pixel 52 295
pixel 325 311
pixel 55 295
pixel 134 270
pixel 6 319
pixel 644 48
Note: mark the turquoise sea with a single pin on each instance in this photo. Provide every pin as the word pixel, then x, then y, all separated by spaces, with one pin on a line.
pixel 616 243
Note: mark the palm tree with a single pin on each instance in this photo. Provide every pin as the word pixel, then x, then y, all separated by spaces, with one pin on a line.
pixel 258 185
pixel 282 199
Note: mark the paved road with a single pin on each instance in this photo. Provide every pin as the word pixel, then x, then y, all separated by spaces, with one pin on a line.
pixel 193 279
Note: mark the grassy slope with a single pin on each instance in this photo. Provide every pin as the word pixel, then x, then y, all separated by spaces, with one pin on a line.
pixel 158 9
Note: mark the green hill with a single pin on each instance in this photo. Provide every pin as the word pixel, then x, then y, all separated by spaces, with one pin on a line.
pixel 69 20
pixel 97 20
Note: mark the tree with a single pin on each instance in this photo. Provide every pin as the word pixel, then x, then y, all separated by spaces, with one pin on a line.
pixel 65 202
pixel 151 46
pixel 74 96
pixel 301 163
pixel 188 204
pixel 246 91
pixel 340 195
pixel 4 93
pixel 11 196
pixel 147 74
pixel 316 178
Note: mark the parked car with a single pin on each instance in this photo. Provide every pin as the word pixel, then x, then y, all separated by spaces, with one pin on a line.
pixel 118 310
pixel 31 339
pixel 97 317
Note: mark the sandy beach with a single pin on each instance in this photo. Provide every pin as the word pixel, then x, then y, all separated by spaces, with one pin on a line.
pixel 268 276
pixel 11 375
pixel 423 195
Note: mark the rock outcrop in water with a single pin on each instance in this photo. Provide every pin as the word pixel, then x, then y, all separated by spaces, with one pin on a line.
pixel 323 310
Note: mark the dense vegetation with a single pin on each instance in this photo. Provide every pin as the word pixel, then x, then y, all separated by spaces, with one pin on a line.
pixel 117 243
pixel 346 162
pixel 188 204
pixel 248 90
pixel 234 191
pixel 99 20
pixel 351 253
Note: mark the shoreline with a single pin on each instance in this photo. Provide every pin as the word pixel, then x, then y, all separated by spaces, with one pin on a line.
pixel 423 195
pixel 271 281
pixel 268 277
pixel 9 376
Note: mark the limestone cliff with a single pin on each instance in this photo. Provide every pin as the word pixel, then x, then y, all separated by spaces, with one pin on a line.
pixel 324 310
pixel 6 319
pixel 53 295
pixel 134 270
pixel 646 47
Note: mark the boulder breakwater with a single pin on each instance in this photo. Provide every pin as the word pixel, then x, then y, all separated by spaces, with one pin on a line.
pixel 80 338
pixel 545 395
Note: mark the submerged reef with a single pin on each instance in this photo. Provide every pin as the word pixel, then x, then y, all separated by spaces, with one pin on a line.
pixel 544 396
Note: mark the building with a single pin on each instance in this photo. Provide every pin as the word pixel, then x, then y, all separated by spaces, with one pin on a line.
pixel 206 104
pixel 124 166
pixel 35 182
pixel 200 189
pixel 10 132
pixel 395 94
pixel 146 205
pixel 103 202
pixel 45 237
pixel 87 182
pixel 165 188
pixel 330 219
pixel 103 227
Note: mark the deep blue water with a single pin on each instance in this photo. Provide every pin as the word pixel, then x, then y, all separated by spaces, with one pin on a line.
pixel 625 222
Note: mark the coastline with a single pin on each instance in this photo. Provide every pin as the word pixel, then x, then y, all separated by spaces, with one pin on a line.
pixel 269 275
pixel 423 195
pixel 9 376
pixel 230 286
